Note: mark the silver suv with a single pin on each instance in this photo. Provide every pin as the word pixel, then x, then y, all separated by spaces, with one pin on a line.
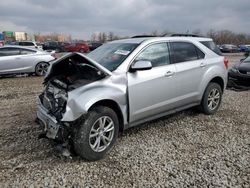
pixel 88 99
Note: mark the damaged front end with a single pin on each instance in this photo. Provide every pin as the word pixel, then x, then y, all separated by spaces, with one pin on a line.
pixel 65 75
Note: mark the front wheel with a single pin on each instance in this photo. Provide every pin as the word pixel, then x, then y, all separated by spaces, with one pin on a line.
pixel 41 68
pixel 211 99
pixel 96 135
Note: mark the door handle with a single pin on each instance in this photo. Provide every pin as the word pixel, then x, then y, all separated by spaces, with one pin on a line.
pixel 169 73
pixel 202 64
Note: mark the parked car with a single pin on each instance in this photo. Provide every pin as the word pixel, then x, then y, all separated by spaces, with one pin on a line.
pixel 53 45
pixel 94 45
pixel 244 48
pixel 17 59
pixel 248 47
pixel 229 48
pixel 77 47
pixel 240 73
pixel 29 44
pixel 89 99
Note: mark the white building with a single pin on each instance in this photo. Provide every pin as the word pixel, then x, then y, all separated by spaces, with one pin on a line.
pixel 20 36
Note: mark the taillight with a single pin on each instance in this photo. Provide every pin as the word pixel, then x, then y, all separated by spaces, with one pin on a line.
pixel 226 62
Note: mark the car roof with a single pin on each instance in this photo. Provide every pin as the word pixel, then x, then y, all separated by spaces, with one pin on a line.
pixel 27 41
pixel 21 47
pixel 153 39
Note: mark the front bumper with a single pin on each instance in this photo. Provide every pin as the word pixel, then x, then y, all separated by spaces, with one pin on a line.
pixel 51 125
pixel 241 79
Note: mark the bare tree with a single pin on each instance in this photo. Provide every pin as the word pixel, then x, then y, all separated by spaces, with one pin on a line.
pixel 197 32
pixel 155 33
pixel 93 37
pixel 111 36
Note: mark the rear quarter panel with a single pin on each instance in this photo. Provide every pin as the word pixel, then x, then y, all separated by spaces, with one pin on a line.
pixel 215 68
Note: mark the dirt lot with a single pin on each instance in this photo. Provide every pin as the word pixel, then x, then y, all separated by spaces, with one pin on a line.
pixel 184 149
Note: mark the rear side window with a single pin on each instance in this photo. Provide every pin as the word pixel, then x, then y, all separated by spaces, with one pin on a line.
pixel 185 51
pixel 26 51
pixel 9 51
pixel 211 45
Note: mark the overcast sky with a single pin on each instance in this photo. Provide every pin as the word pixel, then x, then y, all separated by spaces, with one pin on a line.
pixel 123 17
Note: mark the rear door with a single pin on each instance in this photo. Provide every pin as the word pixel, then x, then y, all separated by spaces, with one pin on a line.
pixel 28 59
pixel 190 68
pixel 152 91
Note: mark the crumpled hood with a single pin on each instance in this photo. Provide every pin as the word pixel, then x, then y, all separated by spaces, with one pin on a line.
pixel 89 60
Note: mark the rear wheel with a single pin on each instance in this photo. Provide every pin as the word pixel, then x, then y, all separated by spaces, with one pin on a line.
pixel 41 68
pixel 211 99
pixel 97 134
pixel 81 50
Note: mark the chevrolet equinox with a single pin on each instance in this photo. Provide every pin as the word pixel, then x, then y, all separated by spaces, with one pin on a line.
pixel 88 99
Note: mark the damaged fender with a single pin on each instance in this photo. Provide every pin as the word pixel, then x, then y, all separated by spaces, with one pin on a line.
pixel 81 99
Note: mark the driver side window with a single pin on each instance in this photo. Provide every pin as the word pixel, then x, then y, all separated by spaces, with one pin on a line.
pixel 157 54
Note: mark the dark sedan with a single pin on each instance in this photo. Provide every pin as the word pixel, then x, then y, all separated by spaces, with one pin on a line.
pixel 94 45
pixel 53 45
pixel 240 73
pixel 229 48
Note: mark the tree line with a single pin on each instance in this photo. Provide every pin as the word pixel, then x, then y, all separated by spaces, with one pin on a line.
pixel 220 36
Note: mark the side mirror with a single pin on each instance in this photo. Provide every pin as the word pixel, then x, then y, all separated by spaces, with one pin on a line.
pixel 141 65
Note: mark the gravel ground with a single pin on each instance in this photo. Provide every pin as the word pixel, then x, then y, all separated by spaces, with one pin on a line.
pixel 186 149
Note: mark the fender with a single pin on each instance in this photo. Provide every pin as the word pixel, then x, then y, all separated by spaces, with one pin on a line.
pixel 81 99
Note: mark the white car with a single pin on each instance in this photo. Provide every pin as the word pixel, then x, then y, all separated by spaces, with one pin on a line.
pixel 17 59
pixel 29 44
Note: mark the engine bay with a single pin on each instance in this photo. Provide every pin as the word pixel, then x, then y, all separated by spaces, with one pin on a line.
pixel 66 75
pixel 73 72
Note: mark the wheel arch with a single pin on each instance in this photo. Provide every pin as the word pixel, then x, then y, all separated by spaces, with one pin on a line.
pixel 114 106
pixel 219 81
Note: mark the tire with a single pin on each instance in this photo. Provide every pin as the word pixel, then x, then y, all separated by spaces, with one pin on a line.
pixel 90 141
pixel 41 68
pixel 211 99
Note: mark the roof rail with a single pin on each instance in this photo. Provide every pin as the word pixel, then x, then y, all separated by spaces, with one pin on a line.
pixel 184 35
pixel 142 36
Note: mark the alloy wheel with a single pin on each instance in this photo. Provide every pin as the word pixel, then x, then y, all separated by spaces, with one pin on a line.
pixel 101 134
pixel 213 99
pixel 42 69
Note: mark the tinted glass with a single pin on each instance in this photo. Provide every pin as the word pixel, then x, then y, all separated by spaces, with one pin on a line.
pixel 183 51
pixel 200 54
pixel 157 54
pixel 9 51
pixel 111 55
pixel 26 51
pixel 211 45
pixel 26 44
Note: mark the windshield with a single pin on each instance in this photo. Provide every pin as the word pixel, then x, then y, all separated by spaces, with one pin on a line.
pixel 111 55
pixel 247 60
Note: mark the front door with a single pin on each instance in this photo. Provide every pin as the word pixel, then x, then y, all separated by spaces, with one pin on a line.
pixel 152 91
pixel 9 59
